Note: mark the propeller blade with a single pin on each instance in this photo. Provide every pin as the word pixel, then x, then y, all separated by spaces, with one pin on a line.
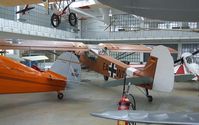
pixel 179 60
pixel 196 52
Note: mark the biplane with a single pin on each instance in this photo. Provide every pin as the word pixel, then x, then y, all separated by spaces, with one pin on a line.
pixel 58 14
pixel 96 59
pixel 187 65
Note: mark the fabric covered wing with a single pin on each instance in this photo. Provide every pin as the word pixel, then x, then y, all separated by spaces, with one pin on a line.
pixel 43 45
pixel 133 80
pixel 175 118
pixel 183 78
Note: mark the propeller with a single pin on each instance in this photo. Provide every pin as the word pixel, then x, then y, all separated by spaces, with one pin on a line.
pixel 196 52
pixel 181 59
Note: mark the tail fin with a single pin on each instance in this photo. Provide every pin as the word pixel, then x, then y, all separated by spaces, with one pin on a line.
pixel 67 64
pixel 164 70
pixel 150 67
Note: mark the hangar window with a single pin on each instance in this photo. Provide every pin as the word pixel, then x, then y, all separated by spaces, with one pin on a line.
pixel 129 22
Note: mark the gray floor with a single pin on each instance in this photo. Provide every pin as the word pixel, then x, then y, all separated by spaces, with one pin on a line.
pixel 89 96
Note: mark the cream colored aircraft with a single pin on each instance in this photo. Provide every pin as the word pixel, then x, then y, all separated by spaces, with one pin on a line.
pixel 56 16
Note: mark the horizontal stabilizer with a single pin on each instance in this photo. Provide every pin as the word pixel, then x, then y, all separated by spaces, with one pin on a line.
pixel 184 78
pixel 132 80
pixel 174 118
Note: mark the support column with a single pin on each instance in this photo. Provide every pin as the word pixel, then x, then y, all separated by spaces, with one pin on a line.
pixel 179 50
pixel 141 58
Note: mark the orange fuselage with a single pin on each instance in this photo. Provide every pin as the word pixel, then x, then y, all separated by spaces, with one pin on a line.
pixel 18 78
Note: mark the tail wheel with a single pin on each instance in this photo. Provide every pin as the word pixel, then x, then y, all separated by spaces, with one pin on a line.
pixel 106 78
pixel 60 96
pixel 150 98
pixel 72 19
pixel 55 20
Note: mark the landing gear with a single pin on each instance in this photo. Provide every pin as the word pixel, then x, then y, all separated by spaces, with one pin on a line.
pixel 72 19
pixel 60 96
pixel 62 12
pixel 149 97
pixel 106 78
pixel 55 20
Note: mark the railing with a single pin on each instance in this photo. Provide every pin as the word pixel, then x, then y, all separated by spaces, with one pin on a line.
pixel 142 34
pixel 11 26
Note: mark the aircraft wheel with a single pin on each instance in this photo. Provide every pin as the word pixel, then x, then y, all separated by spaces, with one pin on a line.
pixel 150 98
pixel 72 19
pixel 60 96
pixel 106 78
pixel 55 20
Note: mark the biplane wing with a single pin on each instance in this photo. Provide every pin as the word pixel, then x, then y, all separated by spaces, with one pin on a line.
pixel 171 118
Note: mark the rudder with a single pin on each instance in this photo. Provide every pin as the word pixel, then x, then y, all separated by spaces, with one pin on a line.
pixel 68 65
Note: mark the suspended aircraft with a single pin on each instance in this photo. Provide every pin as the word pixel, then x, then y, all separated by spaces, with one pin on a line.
pixel 25 10
pixel 57 15
pixel 17 78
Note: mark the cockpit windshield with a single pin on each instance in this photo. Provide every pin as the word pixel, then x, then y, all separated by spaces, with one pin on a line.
pixel 91 55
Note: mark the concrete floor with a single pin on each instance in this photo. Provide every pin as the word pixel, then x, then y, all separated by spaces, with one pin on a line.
pixel 89 96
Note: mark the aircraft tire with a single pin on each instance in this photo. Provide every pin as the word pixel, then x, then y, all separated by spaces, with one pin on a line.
pixel 72 19
pixel 55 20
pixel 106 78
pixel 150 98
pixel 60 96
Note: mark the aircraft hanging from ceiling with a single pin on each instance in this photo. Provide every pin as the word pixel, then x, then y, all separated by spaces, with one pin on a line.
pixel 57 15
pixel 170 10
pixel 96 59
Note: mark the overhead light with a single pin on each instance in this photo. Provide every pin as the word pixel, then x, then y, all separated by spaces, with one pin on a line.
pixel 110 13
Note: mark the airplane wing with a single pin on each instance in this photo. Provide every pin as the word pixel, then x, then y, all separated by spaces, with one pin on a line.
pixel 174 118
pixel 21 2
pixel 184 77
pixel 144 80
pixel 43 45
pixel 129 48
pixel 125 47
pixel 133 80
